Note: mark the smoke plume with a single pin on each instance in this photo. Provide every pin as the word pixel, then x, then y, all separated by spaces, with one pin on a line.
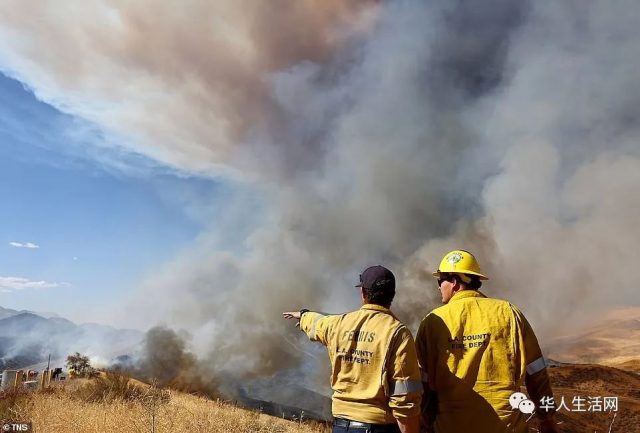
pixel 165 360
pixel 376 132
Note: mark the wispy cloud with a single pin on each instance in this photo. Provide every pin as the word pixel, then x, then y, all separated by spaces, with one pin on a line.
pixel 24 245
pixel 18 283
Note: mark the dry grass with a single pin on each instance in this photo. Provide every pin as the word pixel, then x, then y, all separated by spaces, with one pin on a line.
pixel 9 402
pixel 632 365
pixel 63 412
pixel 111 386
pixel 597 380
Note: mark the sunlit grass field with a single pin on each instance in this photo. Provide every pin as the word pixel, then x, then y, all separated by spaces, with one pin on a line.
pixel 87 407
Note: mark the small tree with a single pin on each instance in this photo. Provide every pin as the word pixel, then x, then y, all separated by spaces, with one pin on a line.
pixel 80 364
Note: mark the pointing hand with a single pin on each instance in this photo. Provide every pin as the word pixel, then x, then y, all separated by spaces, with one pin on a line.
pixel 291 315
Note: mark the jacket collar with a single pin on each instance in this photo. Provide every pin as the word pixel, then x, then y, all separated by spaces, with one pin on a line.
pixel 376 307
pixel 463 294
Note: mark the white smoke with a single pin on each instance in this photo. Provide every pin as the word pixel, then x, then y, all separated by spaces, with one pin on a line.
pixel 385 132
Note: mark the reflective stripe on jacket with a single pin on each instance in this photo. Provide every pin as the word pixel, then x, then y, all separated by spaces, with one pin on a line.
pixel 374 370
pixel 475 352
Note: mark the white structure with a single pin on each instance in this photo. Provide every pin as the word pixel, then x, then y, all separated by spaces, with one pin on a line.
pixel 8 379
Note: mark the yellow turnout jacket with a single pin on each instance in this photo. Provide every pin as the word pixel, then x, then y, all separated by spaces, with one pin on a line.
pixel 374 371
pixel 475 352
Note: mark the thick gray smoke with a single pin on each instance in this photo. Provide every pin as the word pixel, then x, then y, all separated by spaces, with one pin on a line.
pixel 165 359
pixel 379 132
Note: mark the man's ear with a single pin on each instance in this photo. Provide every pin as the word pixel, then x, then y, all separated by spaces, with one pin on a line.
pixel 457 284
pixel 362 294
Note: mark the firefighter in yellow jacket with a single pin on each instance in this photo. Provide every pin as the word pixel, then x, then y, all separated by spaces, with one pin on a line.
pixel 475 353
pixel 374 371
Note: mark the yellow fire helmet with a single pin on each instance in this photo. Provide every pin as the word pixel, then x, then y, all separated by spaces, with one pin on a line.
pixel 460 262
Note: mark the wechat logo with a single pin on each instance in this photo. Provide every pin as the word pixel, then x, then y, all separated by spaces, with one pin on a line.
pixel 519 401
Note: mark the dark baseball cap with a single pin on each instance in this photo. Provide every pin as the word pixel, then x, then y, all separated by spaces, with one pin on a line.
pixel 377 276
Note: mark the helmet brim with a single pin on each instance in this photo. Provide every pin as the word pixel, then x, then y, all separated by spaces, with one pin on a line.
pixel 477 274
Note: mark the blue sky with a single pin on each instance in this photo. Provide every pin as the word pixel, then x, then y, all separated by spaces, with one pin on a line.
pixel 102 218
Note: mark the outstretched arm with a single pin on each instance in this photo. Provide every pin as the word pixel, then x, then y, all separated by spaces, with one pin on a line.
pixel 315 325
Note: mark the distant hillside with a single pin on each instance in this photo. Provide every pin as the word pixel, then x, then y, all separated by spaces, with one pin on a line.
pixel 22 324
pixel 597 381
pixel 7 312
pixel 612 339
pixel 27 338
